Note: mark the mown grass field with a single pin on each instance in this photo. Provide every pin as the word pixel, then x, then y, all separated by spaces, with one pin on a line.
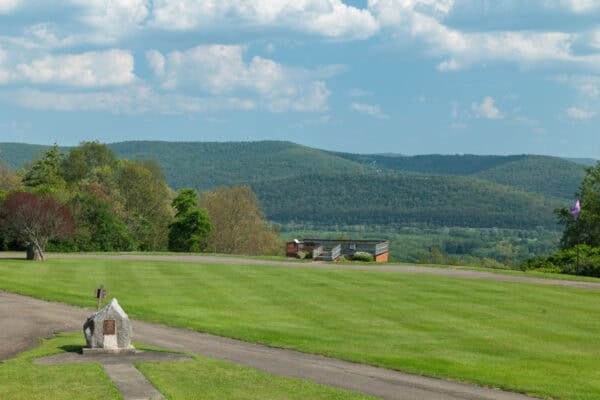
pixel 535 339
pixel 20 379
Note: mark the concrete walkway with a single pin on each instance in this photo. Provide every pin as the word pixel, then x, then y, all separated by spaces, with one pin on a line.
pixel 384 383
pixel 450 272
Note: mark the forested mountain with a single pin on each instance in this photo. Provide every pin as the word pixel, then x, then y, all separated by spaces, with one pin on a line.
pixel 16 155
pixel 393 198
pixel 552 176
pixel 205 165
pixel 299 183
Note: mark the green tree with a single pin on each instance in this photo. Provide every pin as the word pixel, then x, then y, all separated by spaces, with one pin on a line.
pixel 586 228
pixel 89 162
pixel 239 226
pixel 43 176
pixel 99 228
pixel 191 229
pixel 9 181
pixel 147 202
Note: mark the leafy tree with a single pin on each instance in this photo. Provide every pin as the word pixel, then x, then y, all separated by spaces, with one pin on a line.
pixel 239 226
pixel 191 229
pixel 586 228
pixel 146 199
pixel 99 227
pixel 9 181
pixel 44 175
pixel 35 220
pixel 90 162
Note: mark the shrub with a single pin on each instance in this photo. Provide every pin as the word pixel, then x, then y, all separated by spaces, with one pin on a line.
pixel 362 256
pixel 301 254
pixel 567 261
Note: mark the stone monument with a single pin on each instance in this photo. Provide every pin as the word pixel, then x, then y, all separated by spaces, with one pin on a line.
pixel 108 331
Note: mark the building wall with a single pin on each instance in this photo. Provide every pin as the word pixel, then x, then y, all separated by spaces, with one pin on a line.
pixel 383 257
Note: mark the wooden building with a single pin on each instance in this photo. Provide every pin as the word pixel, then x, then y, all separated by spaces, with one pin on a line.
pixel 333 250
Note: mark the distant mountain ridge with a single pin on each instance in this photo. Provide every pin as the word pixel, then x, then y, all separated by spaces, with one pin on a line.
pixel 291 180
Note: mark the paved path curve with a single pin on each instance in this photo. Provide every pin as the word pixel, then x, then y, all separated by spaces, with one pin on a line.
pixel 31 318
pixel 450 272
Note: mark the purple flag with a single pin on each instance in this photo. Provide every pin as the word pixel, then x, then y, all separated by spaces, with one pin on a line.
pixel 576 210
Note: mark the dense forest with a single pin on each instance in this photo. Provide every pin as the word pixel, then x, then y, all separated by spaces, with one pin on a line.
pixel 385 199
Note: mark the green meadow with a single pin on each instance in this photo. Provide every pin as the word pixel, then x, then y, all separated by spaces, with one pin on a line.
pixel 535 339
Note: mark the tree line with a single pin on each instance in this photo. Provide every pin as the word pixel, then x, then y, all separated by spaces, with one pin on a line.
pixel 88 200
pixel 579 251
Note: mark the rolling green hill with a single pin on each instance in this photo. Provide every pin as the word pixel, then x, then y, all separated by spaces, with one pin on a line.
pixel 547 175
pixel 205 165
pixel 392 198
pixel 18 154
pixel 299 183
pixel 551 176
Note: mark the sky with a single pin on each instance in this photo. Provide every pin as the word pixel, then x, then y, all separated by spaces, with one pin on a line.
pixel 362 76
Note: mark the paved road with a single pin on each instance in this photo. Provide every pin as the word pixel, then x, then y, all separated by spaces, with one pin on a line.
pixel 450 272
pixel 29 318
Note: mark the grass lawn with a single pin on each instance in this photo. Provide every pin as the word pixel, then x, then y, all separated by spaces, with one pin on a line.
pixel 530 338
pixel 20 379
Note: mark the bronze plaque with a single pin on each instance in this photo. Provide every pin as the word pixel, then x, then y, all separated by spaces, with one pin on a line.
pixel 109 327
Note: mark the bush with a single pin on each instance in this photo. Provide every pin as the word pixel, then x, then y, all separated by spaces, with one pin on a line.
pixel 362 256
pixel 567 261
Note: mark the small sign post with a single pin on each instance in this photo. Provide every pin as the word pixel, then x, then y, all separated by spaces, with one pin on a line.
pixel 100 294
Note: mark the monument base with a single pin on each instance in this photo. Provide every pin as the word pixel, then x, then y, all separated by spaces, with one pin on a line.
pixel 89 351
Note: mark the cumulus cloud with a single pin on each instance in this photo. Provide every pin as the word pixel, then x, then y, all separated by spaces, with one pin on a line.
pixel 4 73
pixel 222 70
pixel 330 18
pixel 372 110
pixel 89 69
pixel 486 109
pixel 580 113
pixel 112 19
pixel 8 6
pixel 421 20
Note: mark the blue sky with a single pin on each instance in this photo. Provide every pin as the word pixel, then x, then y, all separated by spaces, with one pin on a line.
pixel 368 76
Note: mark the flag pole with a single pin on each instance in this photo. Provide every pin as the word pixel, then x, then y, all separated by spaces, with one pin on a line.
pixel 575 211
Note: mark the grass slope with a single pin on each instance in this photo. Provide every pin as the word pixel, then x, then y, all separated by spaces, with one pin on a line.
pixel 529 338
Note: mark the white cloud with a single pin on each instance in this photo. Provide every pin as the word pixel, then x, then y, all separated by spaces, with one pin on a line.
pixel 580 113
pixel 4 73
pixel 8 6
pixel 421 20
pixel 157 62
pixel 134 100
pixel 581 6
pixel 486 109
pixel 586 85
pixel 222 70
pixel 112 18
pixel 90 69
pixel 372 110
pixel 330 18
